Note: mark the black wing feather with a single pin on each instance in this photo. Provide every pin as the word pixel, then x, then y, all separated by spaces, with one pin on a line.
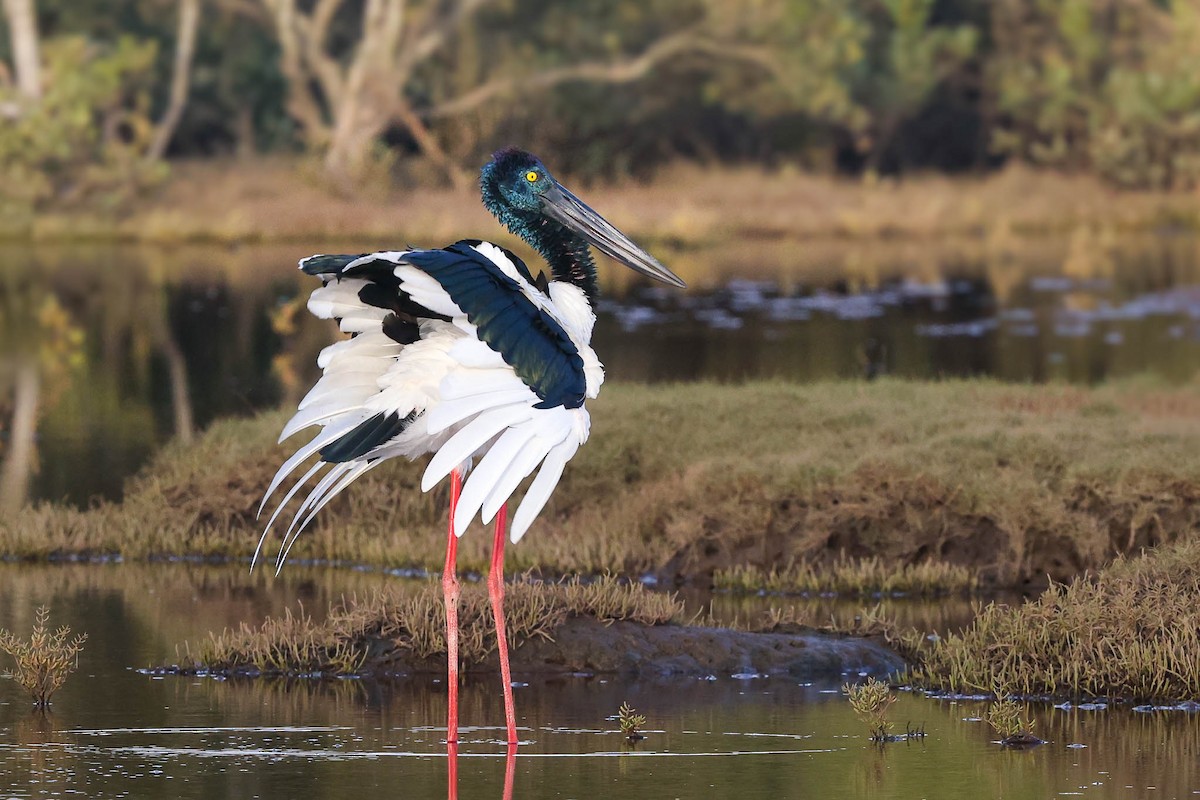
pixel 530 341
pixel 366 436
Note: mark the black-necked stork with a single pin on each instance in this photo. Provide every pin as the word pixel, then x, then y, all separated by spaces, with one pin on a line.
pixel 463 353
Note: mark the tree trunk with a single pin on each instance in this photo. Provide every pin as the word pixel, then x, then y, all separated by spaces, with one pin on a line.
pixel 22 27
pixel 359 126
pixel 185 47
pixel 246 145
pixel 363 111
pixel 429 145
pixel 301 104
pixel 18 461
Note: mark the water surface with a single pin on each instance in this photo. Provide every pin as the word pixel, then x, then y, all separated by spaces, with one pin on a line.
pixel 117 733
pixel 134 345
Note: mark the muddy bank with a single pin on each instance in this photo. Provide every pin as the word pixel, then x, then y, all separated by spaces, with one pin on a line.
pixel 629 650
pixel 603 627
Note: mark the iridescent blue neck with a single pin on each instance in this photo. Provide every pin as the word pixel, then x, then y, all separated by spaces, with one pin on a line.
pixel 566 253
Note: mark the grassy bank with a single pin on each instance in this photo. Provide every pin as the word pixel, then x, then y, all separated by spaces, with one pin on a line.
pixel 386 628
pixel 280 200
pixel 1131 631
pixel 1014 484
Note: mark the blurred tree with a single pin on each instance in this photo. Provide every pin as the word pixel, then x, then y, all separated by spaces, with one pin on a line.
pixel 22 28
pixel 86 137
pixel 1107 85
pixel 348 85
pixel 908 58
pixel 181 77
pixel 1147 129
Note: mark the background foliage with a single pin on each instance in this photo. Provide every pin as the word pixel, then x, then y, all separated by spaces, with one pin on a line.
pixel 615 88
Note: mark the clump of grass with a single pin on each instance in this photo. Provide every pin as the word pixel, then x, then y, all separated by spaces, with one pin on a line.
pixel 853 577
pixel 871 701
pixel 1008 718
pixel 385 628
pixel 45 661
pixel 631 722
pixel 1131 631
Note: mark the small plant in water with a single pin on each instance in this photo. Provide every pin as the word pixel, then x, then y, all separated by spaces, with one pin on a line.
pixel 1008 719
pixel 45 661
pixel 631 722
pixel 871 702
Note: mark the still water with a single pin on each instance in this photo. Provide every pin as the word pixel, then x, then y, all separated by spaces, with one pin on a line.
pixel 118 733
pixel 133 345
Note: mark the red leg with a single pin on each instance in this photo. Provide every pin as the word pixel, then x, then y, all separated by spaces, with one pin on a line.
pixel 452 771
pixel 510 770
pixel 496 593
pixel 450 591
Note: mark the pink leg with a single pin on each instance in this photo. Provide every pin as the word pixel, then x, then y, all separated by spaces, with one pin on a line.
pixel 450 591
pixel 452 771
pixel 510 770
pixel 496 593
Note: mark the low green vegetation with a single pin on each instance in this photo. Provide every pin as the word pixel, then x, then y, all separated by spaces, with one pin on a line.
pixel 631 722
pixel 385 627
pixel 1130 631
pixel 1006 484
pixel 44 662
pixel 1011 721
pixel 871 701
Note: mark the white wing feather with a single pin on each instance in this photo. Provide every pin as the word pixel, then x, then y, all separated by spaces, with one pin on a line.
pixel 542 487
pixel 490 471
pixel 474 435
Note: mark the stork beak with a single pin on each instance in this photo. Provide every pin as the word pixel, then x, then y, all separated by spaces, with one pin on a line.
pixel 575 215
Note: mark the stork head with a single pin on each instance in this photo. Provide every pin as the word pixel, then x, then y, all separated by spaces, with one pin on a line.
pixel 525 197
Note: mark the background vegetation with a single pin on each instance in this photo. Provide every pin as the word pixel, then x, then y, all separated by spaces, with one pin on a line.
pixel 95 93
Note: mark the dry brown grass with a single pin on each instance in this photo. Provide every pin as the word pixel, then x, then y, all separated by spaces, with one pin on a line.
pixel 45 661
pixel 385 627
pixel 1130 631
pixel 1009 484
pixel 278 199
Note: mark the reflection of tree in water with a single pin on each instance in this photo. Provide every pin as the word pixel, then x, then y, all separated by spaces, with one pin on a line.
pixel 42 348
pixel 164 342
pixel 37 734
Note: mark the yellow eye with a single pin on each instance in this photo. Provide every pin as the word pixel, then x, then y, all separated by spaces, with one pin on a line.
pixel 531 176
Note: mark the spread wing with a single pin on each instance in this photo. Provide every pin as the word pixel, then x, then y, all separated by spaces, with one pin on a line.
pixel 453 351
